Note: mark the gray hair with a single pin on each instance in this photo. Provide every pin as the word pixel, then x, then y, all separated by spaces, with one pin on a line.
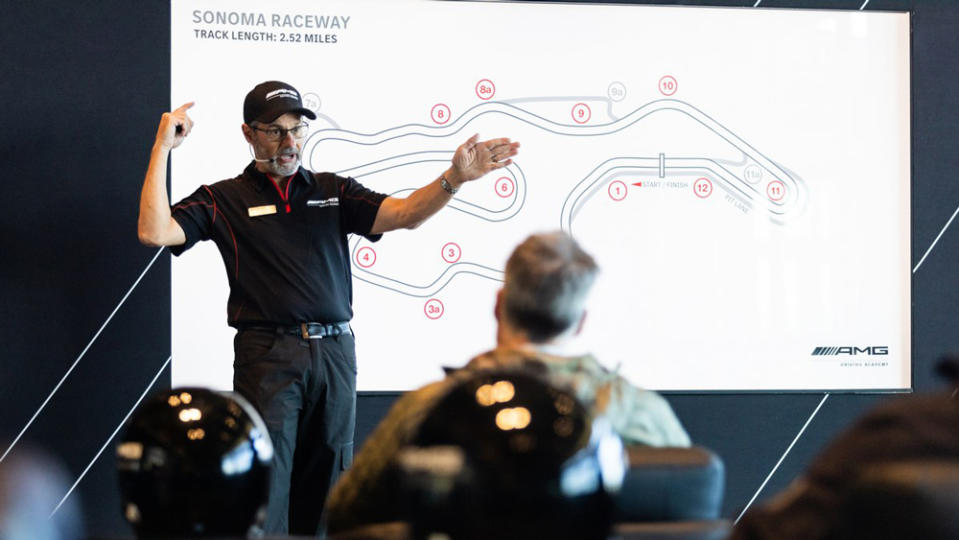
pixel 548 278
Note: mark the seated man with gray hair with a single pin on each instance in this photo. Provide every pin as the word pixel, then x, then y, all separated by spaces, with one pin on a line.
pixel 539 310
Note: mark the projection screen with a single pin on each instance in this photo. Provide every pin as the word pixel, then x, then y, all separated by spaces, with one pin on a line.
pixel 742 177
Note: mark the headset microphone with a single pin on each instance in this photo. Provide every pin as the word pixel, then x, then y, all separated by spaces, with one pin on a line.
pixel 258 160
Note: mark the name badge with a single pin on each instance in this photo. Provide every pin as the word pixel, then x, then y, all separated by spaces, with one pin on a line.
pixel 262 210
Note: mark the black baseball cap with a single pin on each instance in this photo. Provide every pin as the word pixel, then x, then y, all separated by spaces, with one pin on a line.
pixel 270 100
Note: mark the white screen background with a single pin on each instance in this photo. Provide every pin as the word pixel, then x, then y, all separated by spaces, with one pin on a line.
pixel 732 290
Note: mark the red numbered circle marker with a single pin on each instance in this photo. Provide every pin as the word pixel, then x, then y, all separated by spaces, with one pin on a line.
pixel 505 187
pixel 440 113
pixel 581 113
pixel 617 190
pixel 433 308
pixel 451 252
pixel 365 257
pixel 485 89
pixel 668 85
pixel 776 190
pixel 703 188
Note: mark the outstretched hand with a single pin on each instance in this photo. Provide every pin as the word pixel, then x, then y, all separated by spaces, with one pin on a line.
pixel 473 159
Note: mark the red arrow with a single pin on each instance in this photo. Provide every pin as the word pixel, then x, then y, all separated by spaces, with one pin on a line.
pixel 640 184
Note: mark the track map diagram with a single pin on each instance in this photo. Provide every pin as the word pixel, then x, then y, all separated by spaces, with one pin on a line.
pixel 738 230
pixel 749 183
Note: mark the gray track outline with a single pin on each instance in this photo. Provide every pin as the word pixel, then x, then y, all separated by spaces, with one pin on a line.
pixel 621 166
pixel 438 284
pixel 453 269
pixel 514 171
pixel 555 99
pixel 795 198
pixel 728 180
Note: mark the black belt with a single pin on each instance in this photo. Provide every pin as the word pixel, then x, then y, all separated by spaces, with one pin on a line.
pixel 307 330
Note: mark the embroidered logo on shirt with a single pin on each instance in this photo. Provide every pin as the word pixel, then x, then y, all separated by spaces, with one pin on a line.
pixel 320 203
pixel 261 210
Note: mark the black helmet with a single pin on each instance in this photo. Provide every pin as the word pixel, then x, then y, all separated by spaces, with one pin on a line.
pixel 507 455
pixel 194 462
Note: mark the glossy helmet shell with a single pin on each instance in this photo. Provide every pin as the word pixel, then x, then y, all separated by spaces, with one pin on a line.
pixel 507 455
pixel 194 462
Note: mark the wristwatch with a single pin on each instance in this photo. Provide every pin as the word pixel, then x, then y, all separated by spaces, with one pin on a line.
pixel 447 187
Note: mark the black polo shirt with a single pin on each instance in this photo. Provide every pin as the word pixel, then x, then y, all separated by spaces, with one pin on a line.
pixel 286 254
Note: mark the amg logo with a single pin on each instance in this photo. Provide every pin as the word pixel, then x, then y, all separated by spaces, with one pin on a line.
pixel 851 351
pixel 321 203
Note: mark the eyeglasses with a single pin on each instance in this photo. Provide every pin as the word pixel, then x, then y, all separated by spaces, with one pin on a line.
pixel 276 133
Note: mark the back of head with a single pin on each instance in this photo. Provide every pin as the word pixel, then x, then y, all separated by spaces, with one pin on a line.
pixel 194 462
pixel 506 455
pixel 32 486
pixel 548 278
pixel 902 499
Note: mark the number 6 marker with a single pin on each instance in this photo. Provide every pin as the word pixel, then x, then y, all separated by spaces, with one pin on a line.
pixel 504 187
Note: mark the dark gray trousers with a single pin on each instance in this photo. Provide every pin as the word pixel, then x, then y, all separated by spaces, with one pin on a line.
pixel 305 390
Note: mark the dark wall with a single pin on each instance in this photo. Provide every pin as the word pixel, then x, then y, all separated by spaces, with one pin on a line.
pixel 85 309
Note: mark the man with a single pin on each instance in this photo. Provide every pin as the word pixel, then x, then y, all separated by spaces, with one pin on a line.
pixel 282 232
pixel 539 310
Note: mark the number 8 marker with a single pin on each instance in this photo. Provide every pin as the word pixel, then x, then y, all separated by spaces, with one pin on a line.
pixel 440 113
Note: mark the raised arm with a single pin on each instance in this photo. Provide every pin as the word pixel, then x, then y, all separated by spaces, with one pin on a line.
pixel 155 226
pixel 472 160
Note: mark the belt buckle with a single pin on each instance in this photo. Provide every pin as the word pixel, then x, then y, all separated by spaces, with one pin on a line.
pixel 305 330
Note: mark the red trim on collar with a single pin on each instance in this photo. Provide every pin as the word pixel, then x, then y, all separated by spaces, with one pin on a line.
pixel 285 197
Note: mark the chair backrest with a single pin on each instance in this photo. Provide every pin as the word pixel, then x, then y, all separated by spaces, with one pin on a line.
pixel 671 484
pixel 667 494
pixel 716 529
pixel 904 499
